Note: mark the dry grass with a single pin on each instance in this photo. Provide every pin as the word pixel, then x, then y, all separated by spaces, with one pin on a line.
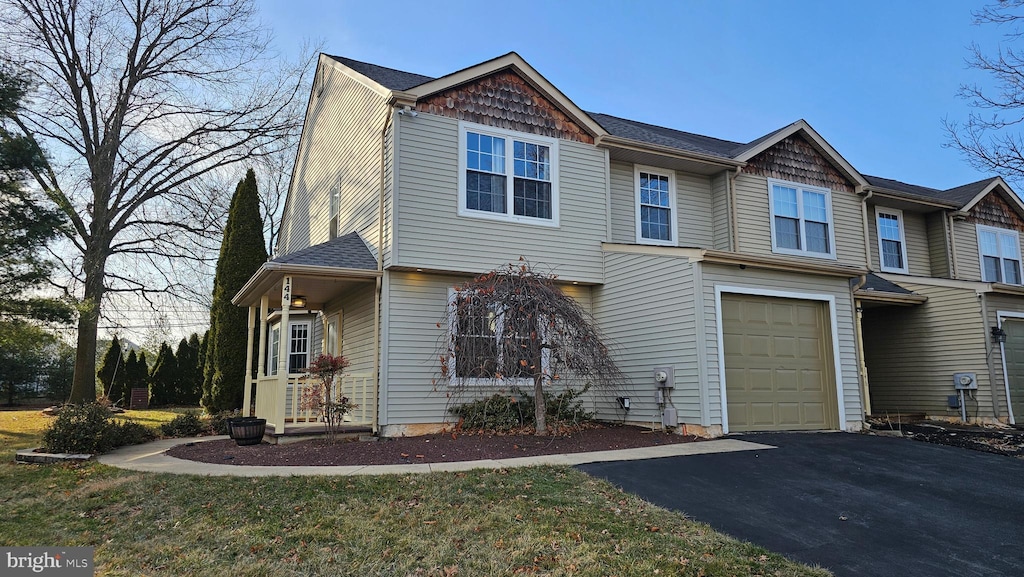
pixel 543 521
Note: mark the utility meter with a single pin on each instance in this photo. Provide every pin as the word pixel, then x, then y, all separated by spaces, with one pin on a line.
pixel 965 381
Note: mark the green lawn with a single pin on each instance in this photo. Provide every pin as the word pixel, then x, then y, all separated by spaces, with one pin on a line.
pixel 534 521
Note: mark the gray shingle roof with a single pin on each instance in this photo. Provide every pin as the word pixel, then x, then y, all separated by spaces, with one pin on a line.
pixel 347 251
pixel 959 196
pixel 879 284
pixel 665 136
pixel 387 77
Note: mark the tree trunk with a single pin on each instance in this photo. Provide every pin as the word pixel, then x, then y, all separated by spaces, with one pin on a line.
pixel 539 408
pixel 83 385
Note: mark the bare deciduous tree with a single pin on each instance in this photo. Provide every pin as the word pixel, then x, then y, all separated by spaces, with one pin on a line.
pixel 516 324
pixel 989 138
pixel 138 102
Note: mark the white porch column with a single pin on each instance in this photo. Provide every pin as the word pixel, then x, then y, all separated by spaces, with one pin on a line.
pixel 282 357
pixel 261 370
pixel 248 379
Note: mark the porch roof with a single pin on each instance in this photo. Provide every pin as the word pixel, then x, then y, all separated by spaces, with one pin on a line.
pixel 880 290
pixel 319 273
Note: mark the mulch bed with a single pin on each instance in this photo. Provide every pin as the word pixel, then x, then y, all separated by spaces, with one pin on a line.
pixel 1000 441
pixel 440 448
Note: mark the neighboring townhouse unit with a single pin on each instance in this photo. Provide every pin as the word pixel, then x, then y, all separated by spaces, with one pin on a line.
pixel 740 271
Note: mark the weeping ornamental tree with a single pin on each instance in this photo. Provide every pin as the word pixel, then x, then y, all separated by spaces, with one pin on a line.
pixel 241 254
pixel 515 324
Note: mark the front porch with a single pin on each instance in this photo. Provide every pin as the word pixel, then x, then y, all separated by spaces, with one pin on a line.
pixel 321 300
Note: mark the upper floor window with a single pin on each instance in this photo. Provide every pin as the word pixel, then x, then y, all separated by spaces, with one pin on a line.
pixel 1000 255
pixel 801 219
pixel 892 245
pixel 335 209
pixel 507 175
pixel 655 206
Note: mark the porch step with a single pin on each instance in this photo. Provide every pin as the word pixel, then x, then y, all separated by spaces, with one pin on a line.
pixel 306 433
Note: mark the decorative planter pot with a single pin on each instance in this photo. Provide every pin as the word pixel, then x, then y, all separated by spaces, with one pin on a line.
pixel 247 430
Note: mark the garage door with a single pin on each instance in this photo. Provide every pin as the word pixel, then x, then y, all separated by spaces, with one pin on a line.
pixel 1014 349
pixel 778 365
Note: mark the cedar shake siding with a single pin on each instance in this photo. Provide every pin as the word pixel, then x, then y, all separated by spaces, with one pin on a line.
pixel 794 159
pixel 505 100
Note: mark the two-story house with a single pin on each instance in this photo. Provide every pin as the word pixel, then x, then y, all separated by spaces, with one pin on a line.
pixel 734 278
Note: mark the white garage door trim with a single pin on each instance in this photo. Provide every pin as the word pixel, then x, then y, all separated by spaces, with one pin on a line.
pixel 757 291
pixel 1000 315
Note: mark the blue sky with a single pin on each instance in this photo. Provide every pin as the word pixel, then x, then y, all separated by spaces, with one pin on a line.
pixel 874 78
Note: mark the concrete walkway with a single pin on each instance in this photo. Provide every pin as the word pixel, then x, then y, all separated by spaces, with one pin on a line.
pixel 151 458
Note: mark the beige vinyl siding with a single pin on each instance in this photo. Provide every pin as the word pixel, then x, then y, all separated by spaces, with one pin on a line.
pixel 912 352
pixel 915 231
pixel 646 308
pixel 341 143
pixel 432 234
pixel 417 302
pixel 693 207
pixel 796 283
pixel 937 244
pixel 968 261
pixel 389 187
pixel 720 211
pixel 623 208
pixel 696 227
pixel 355 308
pixel 753 217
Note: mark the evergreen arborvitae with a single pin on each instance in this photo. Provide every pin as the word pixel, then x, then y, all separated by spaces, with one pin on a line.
pixel 136 374
pixel 112 373
pixel 242 252
pixel 189 380
pixel 164 377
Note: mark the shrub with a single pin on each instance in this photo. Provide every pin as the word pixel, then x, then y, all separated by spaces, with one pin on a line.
pixel 91 428
pixel 79 429
pixel 219 421
pixel 508 412
pixel 186 425
pixel 129 432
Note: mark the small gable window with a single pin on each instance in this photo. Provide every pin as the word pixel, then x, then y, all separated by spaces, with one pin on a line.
pixel 655 206
pixel 892 246
pixel 1000 255
pixel 801 219
pixel 507 175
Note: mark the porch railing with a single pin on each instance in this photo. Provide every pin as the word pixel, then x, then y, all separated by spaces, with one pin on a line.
pixel 281 403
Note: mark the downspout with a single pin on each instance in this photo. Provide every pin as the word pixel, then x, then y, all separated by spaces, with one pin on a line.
pixel 867 240
pixel 730 182
pixel 858 309
pixel 988 354
pixel 380 269
pixel 954 273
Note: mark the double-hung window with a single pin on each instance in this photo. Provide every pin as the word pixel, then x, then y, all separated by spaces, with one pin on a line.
pixel 273 349
pixel 298 347
pixel 655 206
pixel 483 348
pixel 999 249
pixel 892 244
pixel 507 175
pixel 801 219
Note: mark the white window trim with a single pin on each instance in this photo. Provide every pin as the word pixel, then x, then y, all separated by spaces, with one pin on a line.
pixel 273 350
pixel 455 381
pixel 800 216
pixel 981 255
pixel 508 135
pixel 674 216
pixel 903 239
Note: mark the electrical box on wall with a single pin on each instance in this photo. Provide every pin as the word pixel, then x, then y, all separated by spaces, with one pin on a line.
pixel 669 417
pixel 664 377
pixel 965 381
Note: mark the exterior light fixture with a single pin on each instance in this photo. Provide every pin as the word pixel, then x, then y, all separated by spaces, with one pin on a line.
pixel 998 335
pixel 299 301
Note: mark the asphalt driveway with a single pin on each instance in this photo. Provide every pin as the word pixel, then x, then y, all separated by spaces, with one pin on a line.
pixel 855 504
